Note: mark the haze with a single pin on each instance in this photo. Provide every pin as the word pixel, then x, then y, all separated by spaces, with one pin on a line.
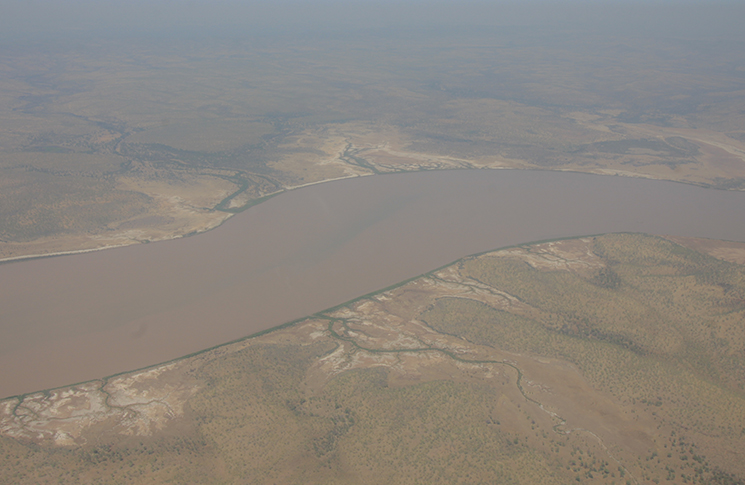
pixel 275 139
pixel 49 18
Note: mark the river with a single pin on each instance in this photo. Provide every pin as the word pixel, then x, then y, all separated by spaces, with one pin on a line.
pixel 73 318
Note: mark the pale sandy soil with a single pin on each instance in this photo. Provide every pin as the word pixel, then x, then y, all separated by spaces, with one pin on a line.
pixel 178 209
pixel 185 205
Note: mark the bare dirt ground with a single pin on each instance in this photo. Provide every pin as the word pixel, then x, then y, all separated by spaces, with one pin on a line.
pixel 720 157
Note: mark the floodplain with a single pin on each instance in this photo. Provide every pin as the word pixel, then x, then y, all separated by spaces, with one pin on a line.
pixel 173 136
pixel 603 359
pixel 613 358
pixel 306 250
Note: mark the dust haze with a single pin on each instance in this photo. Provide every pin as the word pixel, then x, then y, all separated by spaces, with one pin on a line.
pixel 205 170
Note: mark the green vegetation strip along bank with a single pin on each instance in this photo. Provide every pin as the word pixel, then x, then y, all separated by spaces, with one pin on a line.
pixel 291 323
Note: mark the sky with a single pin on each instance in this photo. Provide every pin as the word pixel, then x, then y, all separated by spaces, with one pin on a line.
pixel 61 18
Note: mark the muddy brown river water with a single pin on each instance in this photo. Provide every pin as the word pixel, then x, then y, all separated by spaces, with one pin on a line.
pixel 79 317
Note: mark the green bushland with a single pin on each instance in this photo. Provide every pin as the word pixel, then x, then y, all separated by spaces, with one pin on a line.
pixel 44 205
pixel 668 328
pixel 357 429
